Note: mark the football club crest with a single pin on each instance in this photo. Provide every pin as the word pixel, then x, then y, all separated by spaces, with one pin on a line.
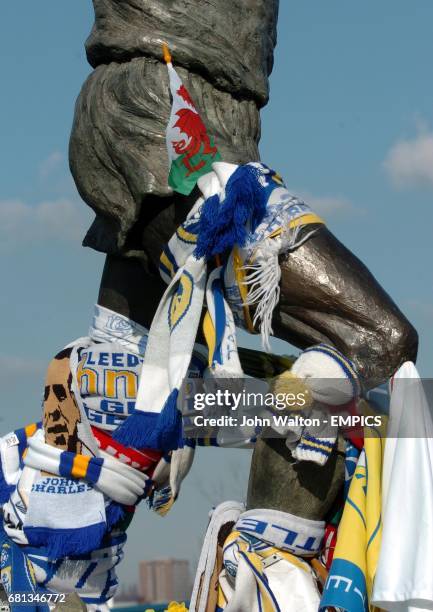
pixel 181 300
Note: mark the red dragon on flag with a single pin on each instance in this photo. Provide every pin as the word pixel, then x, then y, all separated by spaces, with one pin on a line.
pixel 191 150
pixel 190 123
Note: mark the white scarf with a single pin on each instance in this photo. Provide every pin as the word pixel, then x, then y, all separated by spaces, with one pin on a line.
pixel 157 422
pixel 227 512
pixel 404 575
pixel 110 326
pixel 257 573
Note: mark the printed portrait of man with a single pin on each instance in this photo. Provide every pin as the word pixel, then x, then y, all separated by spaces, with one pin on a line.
pixel 61 413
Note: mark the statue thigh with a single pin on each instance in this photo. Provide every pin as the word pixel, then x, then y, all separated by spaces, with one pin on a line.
pixel 327 295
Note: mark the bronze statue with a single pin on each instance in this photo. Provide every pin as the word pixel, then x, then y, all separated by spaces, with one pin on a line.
pixel 118 160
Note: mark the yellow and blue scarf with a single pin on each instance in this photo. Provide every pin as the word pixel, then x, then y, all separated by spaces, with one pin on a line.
pixel 350 580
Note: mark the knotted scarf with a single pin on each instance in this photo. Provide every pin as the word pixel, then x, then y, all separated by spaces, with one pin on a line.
pixel 226 218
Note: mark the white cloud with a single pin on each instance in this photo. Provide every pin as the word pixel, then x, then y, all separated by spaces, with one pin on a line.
pixel 51 164
pixel 410 162
pixel 60 220
pixel 328 206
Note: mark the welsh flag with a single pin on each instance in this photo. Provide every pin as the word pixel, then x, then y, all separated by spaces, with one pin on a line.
pixel 191 150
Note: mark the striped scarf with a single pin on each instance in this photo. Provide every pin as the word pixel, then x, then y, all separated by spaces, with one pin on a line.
pixel 44 484
pixel 41 529
pixel 328 380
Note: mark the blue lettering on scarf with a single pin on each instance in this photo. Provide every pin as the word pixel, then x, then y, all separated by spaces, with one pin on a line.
pixel 64 486
pixel 93 415
pixel 252 525
pixel 133 360
pixel 89 359
pixel 108 419
pixel 38 487
pixel 103 359
pixel 117 359
pixel 291 535
pixel 309 544
pixel 113 407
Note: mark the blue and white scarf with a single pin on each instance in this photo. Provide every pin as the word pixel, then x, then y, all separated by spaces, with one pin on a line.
pixel 244 207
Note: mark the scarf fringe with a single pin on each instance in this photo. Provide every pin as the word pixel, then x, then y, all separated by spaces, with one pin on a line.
pixel 263 280
pixel 61 543
pixel 156 430
pixel 134 430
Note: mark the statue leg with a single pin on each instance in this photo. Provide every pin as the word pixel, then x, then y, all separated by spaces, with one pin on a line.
pixel 327 295
pixel 303 489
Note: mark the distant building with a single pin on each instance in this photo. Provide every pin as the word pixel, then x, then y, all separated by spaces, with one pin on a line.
pixel 164 580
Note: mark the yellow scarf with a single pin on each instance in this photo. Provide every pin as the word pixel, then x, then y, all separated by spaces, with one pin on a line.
pixel 350 581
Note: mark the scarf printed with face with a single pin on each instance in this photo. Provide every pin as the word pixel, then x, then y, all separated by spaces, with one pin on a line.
pixel 70 512
pixel 61 413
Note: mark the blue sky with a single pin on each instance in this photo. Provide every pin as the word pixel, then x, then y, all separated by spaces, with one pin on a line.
pixel 349 125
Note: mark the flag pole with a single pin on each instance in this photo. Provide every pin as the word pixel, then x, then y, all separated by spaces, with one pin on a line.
pixel 166 53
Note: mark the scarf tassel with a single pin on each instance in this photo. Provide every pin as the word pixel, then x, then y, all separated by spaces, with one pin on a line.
pixel 158 431
pixel 263 282
pixel 61 543
pixel 222 225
